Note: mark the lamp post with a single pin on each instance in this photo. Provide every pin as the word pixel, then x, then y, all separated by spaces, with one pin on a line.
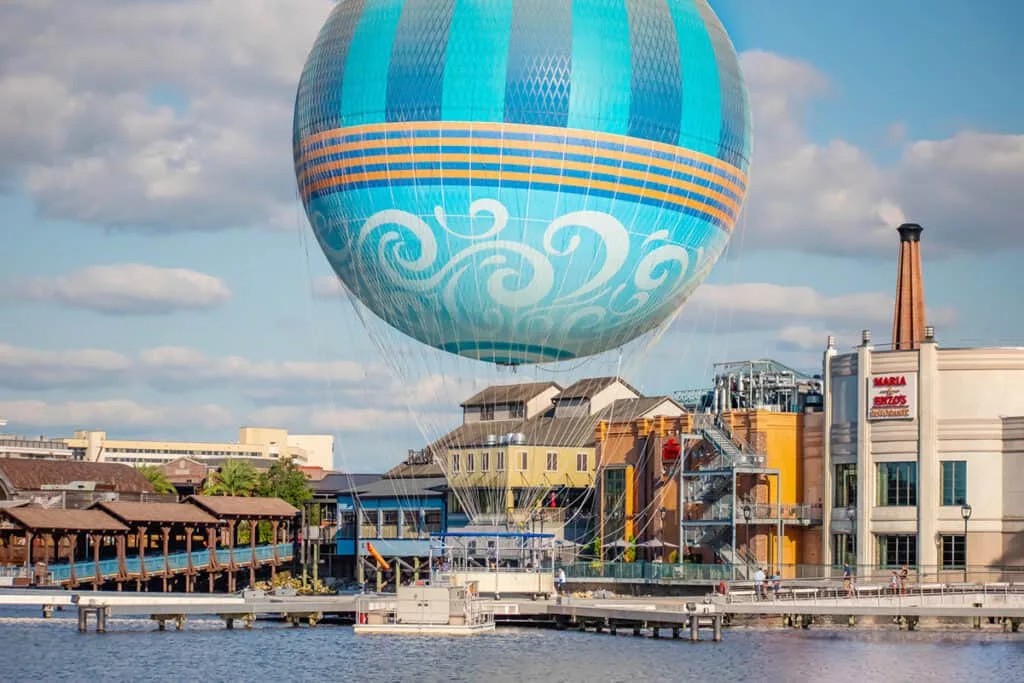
pixel 851 514
pixel 965 512
pixel 748 513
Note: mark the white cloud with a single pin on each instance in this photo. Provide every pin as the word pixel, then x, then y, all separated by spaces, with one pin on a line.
pixel 834 198
pixel 184 369
pixel 127 289
pixel 82 127
pixel 764 306
pixel 329 287
pixel 37 369
pixel 116 414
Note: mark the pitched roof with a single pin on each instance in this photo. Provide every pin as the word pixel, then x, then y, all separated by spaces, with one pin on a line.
pixel 155 513
pixel 337 482
pixel 588 388
pixel 241 507
pixel 407 470
pixel 629 409
pixel 404 488
pixel 509 393
pixel 58 519
pixel 22 474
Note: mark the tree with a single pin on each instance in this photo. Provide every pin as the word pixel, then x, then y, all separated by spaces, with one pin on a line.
pixel 235 478
pixel 286 481
pixel 158 479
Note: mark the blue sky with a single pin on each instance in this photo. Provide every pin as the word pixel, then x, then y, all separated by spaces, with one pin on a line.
pixel 160 280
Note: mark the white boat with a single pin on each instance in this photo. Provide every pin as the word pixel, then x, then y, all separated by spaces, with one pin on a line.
pixel 424 609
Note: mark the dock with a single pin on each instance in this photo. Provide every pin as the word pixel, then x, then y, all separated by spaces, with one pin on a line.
pixel 1002 604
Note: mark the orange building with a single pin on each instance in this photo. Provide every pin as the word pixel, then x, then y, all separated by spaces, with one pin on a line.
pixel 743 467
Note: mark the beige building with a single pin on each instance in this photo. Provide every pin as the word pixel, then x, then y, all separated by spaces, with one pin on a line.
pixel 262 446
pixel 923 446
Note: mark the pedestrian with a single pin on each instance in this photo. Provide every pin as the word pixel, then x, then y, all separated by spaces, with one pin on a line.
pixel 759 579
pixel 560 580
pixel 904 575
pixel 848 580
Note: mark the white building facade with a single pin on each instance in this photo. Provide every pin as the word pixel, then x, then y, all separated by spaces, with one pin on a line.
pixel 920 445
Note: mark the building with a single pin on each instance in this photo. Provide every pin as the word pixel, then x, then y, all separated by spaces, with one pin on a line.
pixel 186 475
pixel 393 517
pixel 39 448
pixel 922 445
pixel 525 454
pixel 67 484
pixel 262 446
pixel 739 455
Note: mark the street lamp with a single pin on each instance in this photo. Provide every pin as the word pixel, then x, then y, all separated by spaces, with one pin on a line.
pixel 851 514
pixel 965 512
pixel 748 513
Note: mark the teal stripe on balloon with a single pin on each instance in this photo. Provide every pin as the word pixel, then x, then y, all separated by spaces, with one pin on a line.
pixel 602 67
pixel 701 125
pixel 476 61
pixel 416 78
pixel 365 92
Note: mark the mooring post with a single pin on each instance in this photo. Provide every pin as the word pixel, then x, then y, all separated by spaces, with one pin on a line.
pixel 717 621
pixel 47 611
pixel 83 620
pixel 694 628
pixel 101 620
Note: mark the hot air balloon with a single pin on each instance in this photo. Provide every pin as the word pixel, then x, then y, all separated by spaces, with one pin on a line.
pixel 522 181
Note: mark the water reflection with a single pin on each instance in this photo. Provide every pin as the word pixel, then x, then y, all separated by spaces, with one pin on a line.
pixel 51 650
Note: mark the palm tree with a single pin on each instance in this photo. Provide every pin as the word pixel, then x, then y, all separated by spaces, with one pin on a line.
pixel 158 479
pixel 235 478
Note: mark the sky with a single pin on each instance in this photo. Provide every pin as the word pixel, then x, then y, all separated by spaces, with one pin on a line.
pixel 159 279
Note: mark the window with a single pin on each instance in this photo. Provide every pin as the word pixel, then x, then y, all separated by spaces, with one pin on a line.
pixel 552 461
pixel 455 462
pixel 485 462
pixel 844 486
pixel 499 464
pixel 516 411
pixel 487 412
pixel 897 483
pixel 897 550
pixel 469 462
pixel 954 482
pixel 581 462
pixel 844 549
pixel 954 551
pixel 524 460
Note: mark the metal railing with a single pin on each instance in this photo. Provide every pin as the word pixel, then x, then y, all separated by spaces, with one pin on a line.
pixel 154 563
pixel 825 577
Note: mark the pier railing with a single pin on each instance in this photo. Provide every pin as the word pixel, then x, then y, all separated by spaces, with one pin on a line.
pixel 805 574
pixel 86 569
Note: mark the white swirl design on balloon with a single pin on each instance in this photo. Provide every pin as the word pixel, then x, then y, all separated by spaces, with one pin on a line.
pixel 585 272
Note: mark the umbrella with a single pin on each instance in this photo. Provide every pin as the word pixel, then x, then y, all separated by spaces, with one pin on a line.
pixel 619 544
pixel 656 543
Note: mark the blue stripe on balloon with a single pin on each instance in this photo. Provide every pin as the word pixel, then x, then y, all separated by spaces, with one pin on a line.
pixel 416 78
pixel 364 97
pixel 321 107
pixel 701 123
pixel 656 85
pixel 602 67
pixel 487 135
pixel 533 186
pixel 734 137
pixel 476 61
pixel 653 182
pixel 539 74
pixel 656 179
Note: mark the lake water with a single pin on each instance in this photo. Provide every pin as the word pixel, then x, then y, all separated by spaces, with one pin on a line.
pixel 34 649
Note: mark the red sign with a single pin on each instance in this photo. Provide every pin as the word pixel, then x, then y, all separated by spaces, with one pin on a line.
pixel 892 397
pixel 670 451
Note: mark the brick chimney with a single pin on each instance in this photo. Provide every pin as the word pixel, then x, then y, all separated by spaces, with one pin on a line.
pixel 909 316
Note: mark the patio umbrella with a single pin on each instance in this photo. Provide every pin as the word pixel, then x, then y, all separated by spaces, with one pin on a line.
pixel 656 543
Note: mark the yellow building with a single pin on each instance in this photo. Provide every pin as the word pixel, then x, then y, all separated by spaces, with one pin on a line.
pixel 530 446
pixel 262 446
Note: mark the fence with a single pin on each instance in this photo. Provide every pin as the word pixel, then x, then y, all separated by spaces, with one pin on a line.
pixel 661 572
pixel 176 561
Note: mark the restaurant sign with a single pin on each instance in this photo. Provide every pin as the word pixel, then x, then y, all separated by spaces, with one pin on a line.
pixel 892 397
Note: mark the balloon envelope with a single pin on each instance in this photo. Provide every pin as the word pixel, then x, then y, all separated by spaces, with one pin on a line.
pixel 524 181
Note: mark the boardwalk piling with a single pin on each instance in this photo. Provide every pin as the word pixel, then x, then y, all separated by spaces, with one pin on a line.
pixel 717 621
pixel 694 628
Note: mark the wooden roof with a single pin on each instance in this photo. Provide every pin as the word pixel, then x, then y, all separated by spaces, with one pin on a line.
pixel 46 520
pixel 23 474
pixel 156 513
pixel 243 507
pixel 509 393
